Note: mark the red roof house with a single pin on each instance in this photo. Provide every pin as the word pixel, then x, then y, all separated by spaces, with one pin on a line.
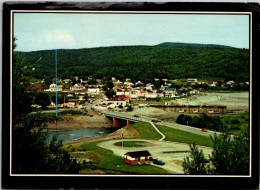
pixel 137 157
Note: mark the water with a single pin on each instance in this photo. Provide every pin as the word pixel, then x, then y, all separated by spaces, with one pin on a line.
pixel 77 134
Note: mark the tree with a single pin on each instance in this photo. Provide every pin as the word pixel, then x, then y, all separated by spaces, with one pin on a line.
pixel 196 163
pixel 230 156
pixel 231 153
pixel 42 99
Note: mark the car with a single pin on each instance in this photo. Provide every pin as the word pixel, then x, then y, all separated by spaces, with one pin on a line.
pixel 204 130
pixel 158 162
pixel 156 120
pixel 136 116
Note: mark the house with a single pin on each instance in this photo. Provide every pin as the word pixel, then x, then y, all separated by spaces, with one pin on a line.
pixel 230 82
pixel 52 88
pixel 72 103
pixel 169 91
pixel 67 81
pixel 137 157
pixel 77 86
pixel 123 95
pixel 192 80
pixel 128 84
pixel 93 91
pixel 139 83
pixel 116 102
pixel 194 91
pixel 83 81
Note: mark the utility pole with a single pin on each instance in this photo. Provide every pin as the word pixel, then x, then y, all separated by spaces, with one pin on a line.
pixel 56 89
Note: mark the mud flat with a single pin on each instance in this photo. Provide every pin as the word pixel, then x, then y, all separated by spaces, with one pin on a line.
pixel 233 101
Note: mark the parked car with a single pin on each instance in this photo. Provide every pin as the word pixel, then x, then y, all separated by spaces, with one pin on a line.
pixel 136 116
pixel 204 130
pixel 158 162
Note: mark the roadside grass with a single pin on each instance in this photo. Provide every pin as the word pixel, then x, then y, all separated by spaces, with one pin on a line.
pixel 145 130
pixel 236 123
pixel 130 143
pixel 176 135
pixel 109 161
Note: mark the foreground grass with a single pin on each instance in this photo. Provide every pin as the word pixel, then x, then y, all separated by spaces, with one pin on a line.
pixel 109 161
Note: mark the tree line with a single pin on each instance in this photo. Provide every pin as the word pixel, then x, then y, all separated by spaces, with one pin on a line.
pixel 141 62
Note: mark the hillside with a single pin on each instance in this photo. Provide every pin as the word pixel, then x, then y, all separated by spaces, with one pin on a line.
pixel 141 62
pixel 178 44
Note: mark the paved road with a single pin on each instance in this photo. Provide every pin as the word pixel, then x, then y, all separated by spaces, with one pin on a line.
pixel 168 124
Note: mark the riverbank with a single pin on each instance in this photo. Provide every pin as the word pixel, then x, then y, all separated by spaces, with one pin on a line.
pixel 73 122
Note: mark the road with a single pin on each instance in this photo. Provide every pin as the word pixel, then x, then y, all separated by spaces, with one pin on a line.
pixel 165 123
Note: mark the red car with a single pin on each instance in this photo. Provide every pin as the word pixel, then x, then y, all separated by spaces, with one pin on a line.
pixel 204 130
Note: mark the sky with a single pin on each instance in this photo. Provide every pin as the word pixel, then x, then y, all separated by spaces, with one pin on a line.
pixel 43 31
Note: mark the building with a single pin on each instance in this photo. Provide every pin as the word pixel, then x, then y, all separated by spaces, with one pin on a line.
pixel 77 86
pixel 123 95
pixel 192 80
pixel 137 157
pixel 52 88
pixel 93 91
pixel 116 102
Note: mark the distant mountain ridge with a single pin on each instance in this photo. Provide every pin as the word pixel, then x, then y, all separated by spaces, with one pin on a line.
pixel 178 44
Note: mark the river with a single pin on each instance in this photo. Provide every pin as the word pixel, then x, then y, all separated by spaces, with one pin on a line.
pixel 73 135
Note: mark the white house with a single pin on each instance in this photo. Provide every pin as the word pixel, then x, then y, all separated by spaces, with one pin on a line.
pixel 93 90
pixel 116 102
pixel 52 88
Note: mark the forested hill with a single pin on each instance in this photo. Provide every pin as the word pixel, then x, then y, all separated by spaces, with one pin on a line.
pixel 141 62
pixel 177 44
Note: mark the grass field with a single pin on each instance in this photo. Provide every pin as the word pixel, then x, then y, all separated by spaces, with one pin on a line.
pixel 130 143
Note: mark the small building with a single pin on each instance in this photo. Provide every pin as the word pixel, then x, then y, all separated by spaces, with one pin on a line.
pixel 138 157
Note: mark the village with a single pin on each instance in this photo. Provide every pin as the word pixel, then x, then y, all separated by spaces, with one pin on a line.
pixel 121 94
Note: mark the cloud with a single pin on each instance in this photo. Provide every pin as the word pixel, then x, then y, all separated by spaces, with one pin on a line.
pixel 60 37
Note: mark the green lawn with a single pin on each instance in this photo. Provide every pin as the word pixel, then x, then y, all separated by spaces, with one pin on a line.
pixel 109 161
pixel 176 135
pixel 130 143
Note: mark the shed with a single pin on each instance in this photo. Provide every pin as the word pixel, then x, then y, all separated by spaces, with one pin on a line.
pixel 137 157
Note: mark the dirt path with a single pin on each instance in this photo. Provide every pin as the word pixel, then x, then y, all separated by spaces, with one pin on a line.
pixel 172 153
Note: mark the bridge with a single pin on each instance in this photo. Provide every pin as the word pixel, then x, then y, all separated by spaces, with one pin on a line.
pixel 123 119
